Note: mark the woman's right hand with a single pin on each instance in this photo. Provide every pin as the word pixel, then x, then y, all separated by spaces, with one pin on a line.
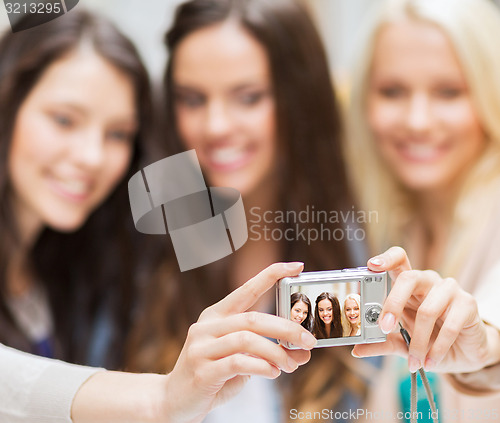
pixel 228 344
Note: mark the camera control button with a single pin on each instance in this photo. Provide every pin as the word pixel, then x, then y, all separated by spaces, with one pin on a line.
pixel 372 314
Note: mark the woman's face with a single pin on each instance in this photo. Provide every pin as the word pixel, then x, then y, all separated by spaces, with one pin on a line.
pixel 352 311
pixel 325 311
pixel 72 141
pixel 299 312
pixel 224 105
pixel 420 108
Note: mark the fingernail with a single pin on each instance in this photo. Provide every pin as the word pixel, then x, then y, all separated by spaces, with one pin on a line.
pixel 292 364
pixel 413 364
pixel 308 340
pixel 429 364
pixel 295 265
pixel 387 323
pixel 353 353
pixel 377 261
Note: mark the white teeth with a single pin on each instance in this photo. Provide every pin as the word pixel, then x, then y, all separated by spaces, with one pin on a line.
pixel 227 155
pixel 74 187
pixel 422 152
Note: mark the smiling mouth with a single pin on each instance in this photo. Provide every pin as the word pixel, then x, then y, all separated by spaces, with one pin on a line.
pixel 75 190
pixel 420 153
pixel 229 158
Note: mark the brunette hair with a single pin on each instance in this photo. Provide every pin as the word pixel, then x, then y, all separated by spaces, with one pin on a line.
pixel 336 330
pixel 310 171
pixel 299 296
pixel 83 270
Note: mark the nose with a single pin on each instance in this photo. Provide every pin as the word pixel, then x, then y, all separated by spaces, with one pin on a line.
pixel 218 119
pixel 89 150
pixel 419 114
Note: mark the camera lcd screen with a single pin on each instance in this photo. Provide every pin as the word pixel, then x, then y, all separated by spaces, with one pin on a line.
pixel 327 309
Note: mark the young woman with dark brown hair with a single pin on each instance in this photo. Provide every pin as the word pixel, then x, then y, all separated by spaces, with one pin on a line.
pixel 300 311
pixel 74 108
pixel 248 87
pixel 327 317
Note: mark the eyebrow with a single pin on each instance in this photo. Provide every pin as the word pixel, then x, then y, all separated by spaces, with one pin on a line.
pixel 239 87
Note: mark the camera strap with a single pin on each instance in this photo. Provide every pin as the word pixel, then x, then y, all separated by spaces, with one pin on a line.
pixel 413 389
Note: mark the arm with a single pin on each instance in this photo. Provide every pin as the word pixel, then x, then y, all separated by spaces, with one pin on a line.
pixel 222 349
pixel 36 389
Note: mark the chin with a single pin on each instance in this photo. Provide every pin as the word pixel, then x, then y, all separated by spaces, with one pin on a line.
pixel 66 225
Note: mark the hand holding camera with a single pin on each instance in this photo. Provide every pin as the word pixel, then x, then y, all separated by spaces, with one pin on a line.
pixel 447 333
pixel 228 344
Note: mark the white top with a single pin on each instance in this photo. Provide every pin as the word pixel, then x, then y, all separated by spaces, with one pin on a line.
pixel 38 390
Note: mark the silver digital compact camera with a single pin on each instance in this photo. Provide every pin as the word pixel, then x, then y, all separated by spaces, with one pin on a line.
pixel 339 307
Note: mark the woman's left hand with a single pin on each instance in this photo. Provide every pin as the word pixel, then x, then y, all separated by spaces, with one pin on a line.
pixel 447 334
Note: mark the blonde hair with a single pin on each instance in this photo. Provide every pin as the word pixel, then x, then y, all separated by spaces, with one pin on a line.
pixel 473 28
pixel 347 327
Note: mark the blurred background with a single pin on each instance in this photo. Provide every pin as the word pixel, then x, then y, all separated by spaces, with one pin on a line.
pixel 146 21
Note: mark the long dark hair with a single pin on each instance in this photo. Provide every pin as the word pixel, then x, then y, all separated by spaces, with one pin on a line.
pixel 319 330
pixel 311 172
pixel 83 269
pixel 299 296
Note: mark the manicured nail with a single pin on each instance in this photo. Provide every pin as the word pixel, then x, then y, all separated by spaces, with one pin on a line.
pixel 413 364
pixel 308 340
pixel 429 364
pixel 353 353
pixel 294 266
pixel 377 261
pixel 292 364
pixel 388 323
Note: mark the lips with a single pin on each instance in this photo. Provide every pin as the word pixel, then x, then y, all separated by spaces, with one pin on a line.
pixel 229 158
pixel 71 189
pixel 421 153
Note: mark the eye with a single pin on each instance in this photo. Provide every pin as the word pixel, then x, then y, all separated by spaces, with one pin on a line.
pixel 189 100
pixel 449 93
pixel 391 92
pixel 63 120
pixel 120 135
pixel 250 99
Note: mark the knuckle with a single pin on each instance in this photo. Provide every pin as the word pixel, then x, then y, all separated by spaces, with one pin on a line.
pixel 199 376
pixel 469 301
pixel 244 340
pixel 193 331
pixel 408 276
pixel 234 364
pixel 396 251
pixel 450 332
pixel 251 318
pixel 194 353
pixel 426 312
pixel 431 275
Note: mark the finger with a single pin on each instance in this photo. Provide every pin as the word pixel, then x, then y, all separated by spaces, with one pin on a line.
pixel 463 315
pixel 434 305
pixel 263 324
pixel 250 343
pixel 219 371
pixel 394 260
pixel 247 295
pixel 395 345
pixel 300 356
pixel 409 283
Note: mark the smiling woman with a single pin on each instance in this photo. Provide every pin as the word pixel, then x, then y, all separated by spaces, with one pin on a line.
pixel 73 107
pixel 424 150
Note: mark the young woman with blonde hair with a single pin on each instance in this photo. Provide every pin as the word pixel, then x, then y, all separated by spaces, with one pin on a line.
pixel 424 146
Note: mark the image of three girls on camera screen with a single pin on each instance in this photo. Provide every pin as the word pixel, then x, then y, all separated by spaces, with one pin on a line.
pixel 330 320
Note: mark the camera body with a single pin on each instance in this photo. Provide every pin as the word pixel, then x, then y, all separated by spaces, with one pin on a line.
pixel 359 322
